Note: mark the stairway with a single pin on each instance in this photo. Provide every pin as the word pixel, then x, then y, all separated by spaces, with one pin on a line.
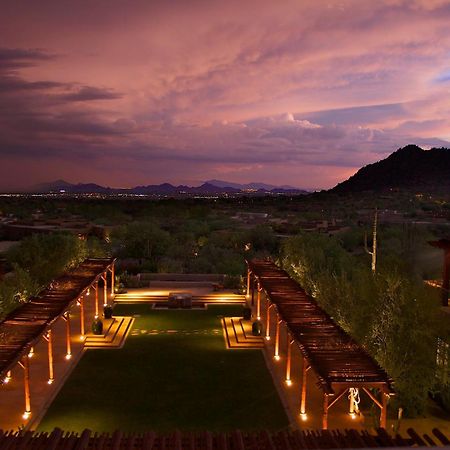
pixel 114 334
pixel 238 334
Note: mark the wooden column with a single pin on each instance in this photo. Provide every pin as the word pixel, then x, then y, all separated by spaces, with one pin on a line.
pixel 26 383
pixel 253 291
pixel 248 283
pixel 268 306
pixel 97 309
pixel 68 344
pixel 303 395
pixel 50 356
pixel 258 303
pixel 105 291
pixel 383 414
pixel 325 412
pixel 82 328
pixel 288 360
pixel 277 339
pixel 112 280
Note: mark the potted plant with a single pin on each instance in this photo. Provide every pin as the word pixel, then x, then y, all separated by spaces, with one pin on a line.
pixel 107 311
pixel 97 326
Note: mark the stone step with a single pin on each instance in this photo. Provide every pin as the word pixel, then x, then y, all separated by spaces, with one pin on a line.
pixel 115 338
pixel 238 334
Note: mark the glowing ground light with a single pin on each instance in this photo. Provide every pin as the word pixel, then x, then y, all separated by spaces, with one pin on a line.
pixel 267 338
pixel 352 415
pixel 6 380
pixel 303 416
pixel 68 356
pixel 50 381
pixel 26 415
pixel 276 357
pixel 289 382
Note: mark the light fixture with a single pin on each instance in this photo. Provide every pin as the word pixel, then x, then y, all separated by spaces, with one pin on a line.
pixel 26 415
pixel 303 416
pixel 289 382
pixel 68 356
pixel 276 357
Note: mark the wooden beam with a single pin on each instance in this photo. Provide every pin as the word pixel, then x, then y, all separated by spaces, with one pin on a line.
pixel 305 368
pixel 82 327
pixel 325 412
pixel 373 398
pixel 97 309
pixel 277 339
pixel 112 279
pixel 50 356
pixel 336 399
pixel 26 384
pixel 290 341
pixel 258 303
pixel 268 306
pixel 253 291
pixel 383 413
pixel 105 290
pixel 68 344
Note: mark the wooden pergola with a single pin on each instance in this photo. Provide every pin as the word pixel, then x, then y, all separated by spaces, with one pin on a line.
pixel 24 327
pixel 339 363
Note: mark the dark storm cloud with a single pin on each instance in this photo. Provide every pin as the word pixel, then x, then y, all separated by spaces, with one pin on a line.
pixel 90 93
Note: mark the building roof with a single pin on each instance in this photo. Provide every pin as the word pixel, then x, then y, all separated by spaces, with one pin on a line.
pixel 335 357
pixel 25 325
pixel 204 440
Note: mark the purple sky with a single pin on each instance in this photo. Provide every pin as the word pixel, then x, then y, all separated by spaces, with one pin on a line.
pixel 286 92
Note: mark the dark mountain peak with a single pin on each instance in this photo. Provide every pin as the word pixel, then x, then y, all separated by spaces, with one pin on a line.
pixel 410 167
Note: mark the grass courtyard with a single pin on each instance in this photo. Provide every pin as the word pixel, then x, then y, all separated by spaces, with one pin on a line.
pixel 173 372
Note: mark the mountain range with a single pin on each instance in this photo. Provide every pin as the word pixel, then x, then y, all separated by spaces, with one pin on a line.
pixel 410 167
pixel 213 187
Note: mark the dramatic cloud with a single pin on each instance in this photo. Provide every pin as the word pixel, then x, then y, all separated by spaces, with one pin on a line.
pixel 299 93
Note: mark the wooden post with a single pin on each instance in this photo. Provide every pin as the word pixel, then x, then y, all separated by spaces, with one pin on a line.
pixel 26 383
pixel 268 306
pixel 82 328
pixel 258 303
pixel 68 345
pixel 253 291
pixel 325 412
pixel 112 280
pixel 96 300
pixel 105 291
pixel 383 414
pixel 248 283
pixel 50 356
pixel 304 380
pixel 277 339
pixel 288 360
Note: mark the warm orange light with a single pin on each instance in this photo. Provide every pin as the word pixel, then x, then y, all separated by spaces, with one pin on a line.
pixel 267 338
pixel 303 416
pixel 289 382
pixel 352 415
pixel 82 337
pixel 26 415
pixel 6 380
pixel 258 318
pixel 68 356
pixel 50 381
pixel 30 353
pixel 277 357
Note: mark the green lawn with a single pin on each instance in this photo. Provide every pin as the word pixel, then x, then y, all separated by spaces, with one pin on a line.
pixel 186 380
